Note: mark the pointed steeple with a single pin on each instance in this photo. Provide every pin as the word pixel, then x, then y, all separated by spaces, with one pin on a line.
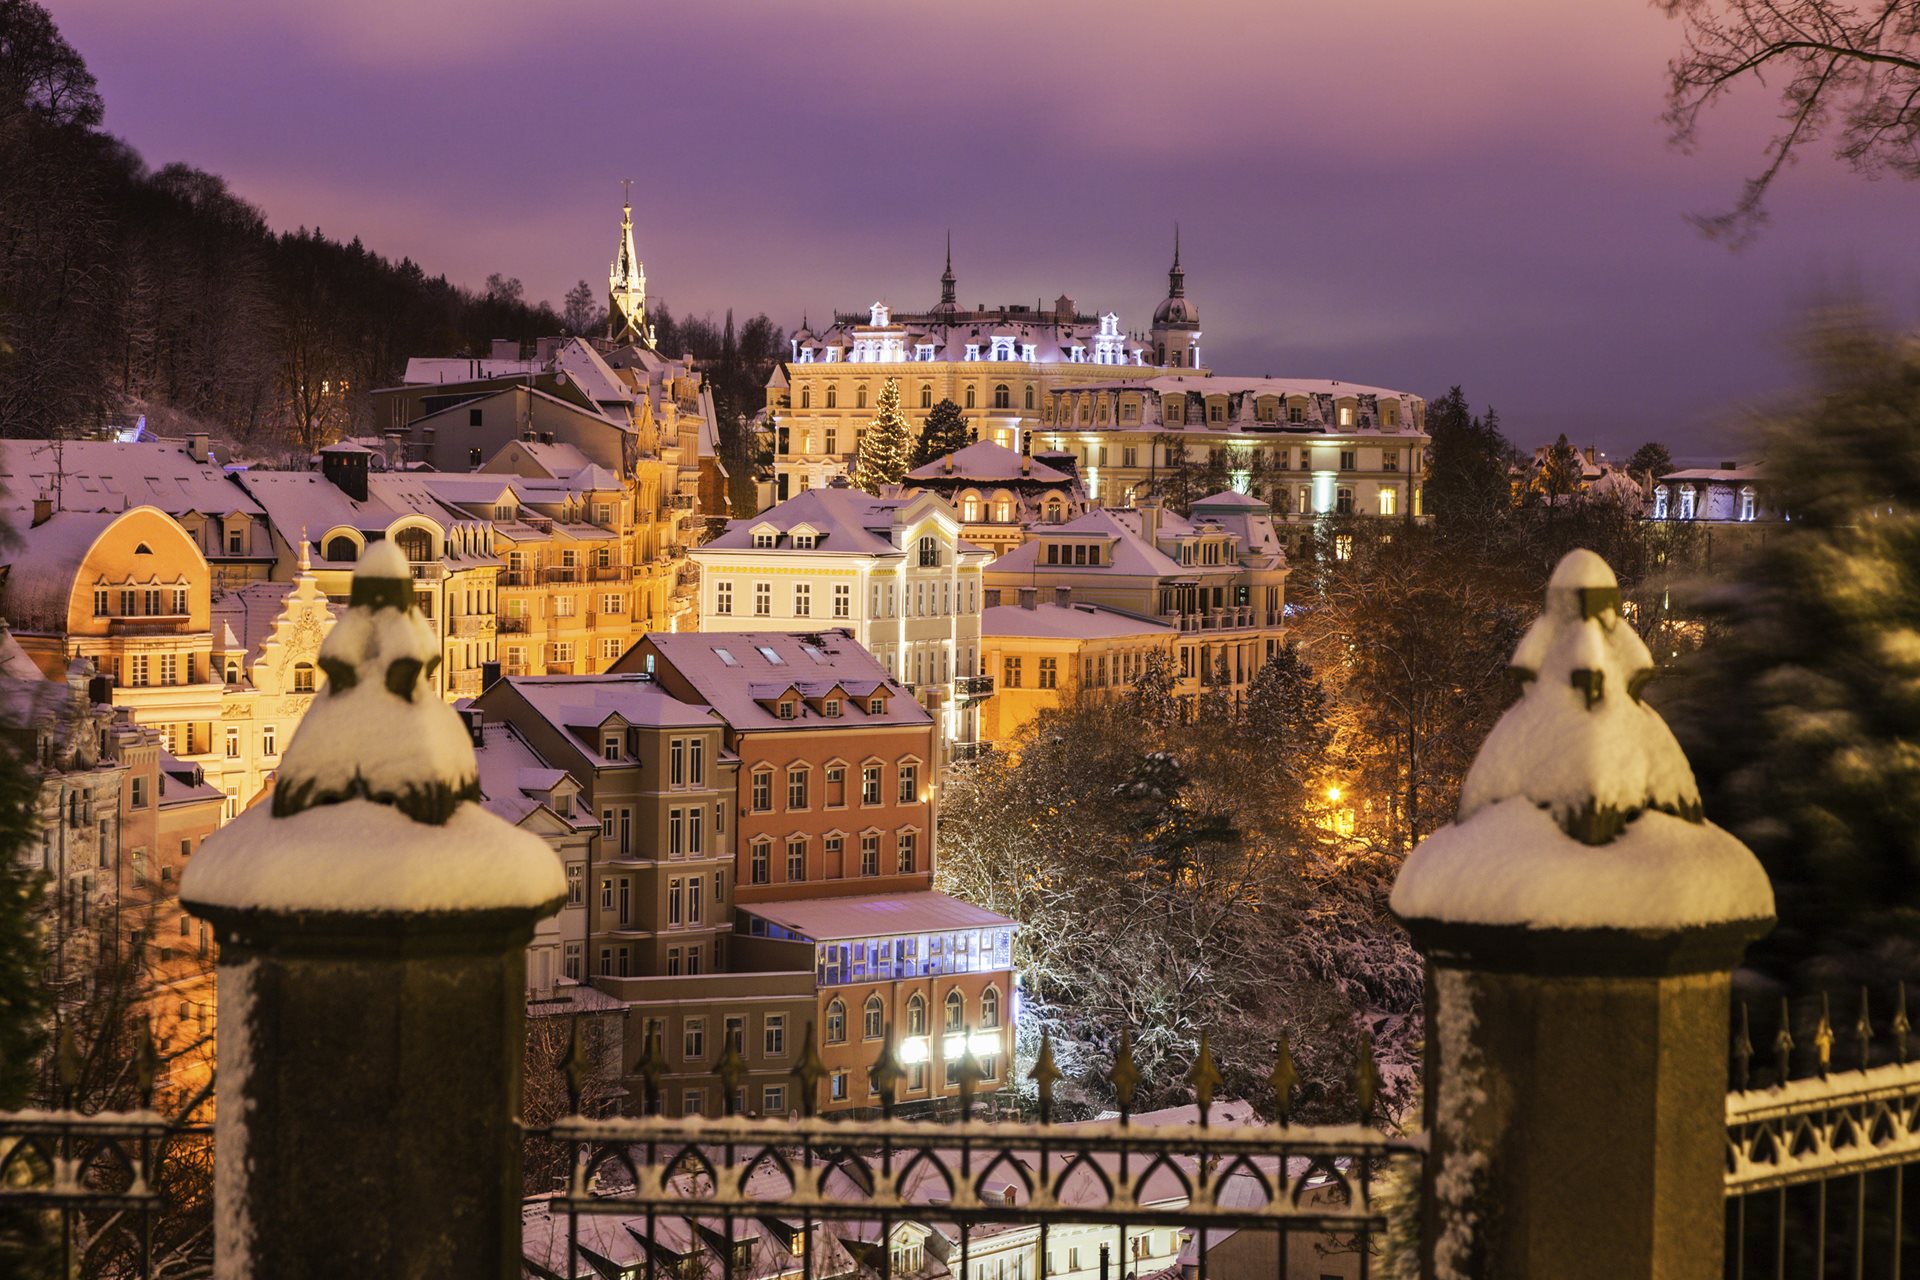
pixel 946 278
pixel 627 285
pixel 1176 277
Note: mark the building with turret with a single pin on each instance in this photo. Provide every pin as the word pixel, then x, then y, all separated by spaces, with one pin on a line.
pixel 999 364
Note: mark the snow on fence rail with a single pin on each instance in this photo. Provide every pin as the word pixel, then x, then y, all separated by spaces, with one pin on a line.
pixel 1139 1192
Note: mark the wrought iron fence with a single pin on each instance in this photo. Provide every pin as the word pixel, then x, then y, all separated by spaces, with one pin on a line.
pixel 1816 1156
pixel 1216 1193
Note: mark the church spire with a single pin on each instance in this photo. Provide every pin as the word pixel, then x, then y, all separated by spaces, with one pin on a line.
pixel 1176 276
pixel 946 278
pixel 627 285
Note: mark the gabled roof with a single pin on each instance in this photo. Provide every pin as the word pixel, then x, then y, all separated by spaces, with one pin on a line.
pixel 985 462
pixel 778 658
pixel 513 777
pixel 844 520
pixel 579 705
pixel 1074 621
pixel 1132 556
pixel 100 475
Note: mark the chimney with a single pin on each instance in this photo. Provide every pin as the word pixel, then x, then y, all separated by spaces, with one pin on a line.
pixel 346 470
pixel 197 446
pixel 489 675
pixel 1026 464
pixel 506 349
pixel 1029 597
pixel 949 464
pixel 1063 596
pixel 42 509
pixel 1149 519
pixel 475 722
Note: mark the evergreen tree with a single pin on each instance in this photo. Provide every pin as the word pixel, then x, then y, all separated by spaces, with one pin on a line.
pixel 1285 715
pixel 882 457
pixel 1468 463
pixel 1560 472
pixel 945 431
pixel 23 1007
pixel 1649 462
pixel 1151 698
pixel 1800 719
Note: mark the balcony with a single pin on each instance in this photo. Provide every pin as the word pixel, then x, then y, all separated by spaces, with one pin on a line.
pixel 518 625
pixel 165 624
pixel 973 688
pixel 563 573
pixel 426 569
pixel 464 684
pixel 516 578
pixel 1238 618
pixel 473 624
pixel 961 752
pixel 608 573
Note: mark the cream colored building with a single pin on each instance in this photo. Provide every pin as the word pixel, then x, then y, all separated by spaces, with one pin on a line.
pixel 1000 365
pixel 1307 448
pixel 894 572
pixel 1217 578
pixel 999 492
pixel 1044 652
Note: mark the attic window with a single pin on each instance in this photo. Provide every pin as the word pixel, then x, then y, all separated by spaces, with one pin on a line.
pixel 769 655
pixel 832 709
pixel 786 708
pixel 876 706
pixel 761 541
pixel 803 541
pixel 143 550
pixel 726 657
pixel 610 746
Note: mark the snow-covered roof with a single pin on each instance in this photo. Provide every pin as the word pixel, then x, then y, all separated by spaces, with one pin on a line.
pixel 725 666
pixel 43 565
pixel 1747 474
pixel 843 521
pixel 590 374
pixel 1131 555
pixel 874 915
pixel 579 705
pixel 1580 810
pixel 984 462
pixel 184 783
pixel 513 778
pixel 1071 622
pixel 96 475
pixel 442 369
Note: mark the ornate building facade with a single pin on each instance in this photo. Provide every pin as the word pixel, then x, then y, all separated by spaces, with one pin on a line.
pixel 999 364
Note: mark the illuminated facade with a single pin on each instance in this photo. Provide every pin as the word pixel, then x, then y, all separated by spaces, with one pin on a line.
pixel 998 492
pixel 1000 365
pixel 1045 651
pixel 1215 578
pixel 894 573
pixel 1307 448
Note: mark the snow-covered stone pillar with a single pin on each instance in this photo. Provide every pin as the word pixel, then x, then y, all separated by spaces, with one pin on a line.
pixel 372 924
pixel 1580 920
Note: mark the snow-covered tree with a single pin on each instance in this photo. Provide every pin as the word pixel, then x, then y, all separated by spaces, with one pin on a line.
pixel 945 431
pixel 884 445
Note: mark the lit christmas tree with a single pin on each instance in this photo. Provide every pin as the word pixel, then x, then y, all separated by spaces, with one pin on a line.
pixel 884 447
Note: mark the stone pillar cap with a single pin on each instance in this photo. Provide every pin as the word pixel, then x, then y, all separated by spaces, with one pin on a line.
pixel 1580 811
pixel 376 806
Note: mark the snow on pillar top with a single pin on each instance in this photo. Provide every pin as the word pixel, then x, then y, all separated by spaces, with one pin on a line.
pixel 376 803
pixel 1580 810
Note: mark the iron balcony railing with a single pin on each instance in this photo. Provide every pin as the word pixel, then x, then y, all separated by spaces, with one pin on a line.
pixel 150 625
pixel 974 686
pixel 515 624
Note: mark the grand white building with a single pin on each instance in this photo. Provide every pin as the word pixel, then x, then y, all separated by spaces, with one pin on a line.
pixel 999 364
pixel 894 572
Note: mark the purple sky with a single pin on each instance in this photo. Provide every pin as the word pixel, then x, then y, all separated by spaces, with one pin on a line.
pixel 1388 191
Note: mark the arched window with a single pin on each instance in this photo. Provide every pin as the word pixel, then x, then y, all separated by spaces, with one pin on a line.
pixel 341 549
pixel 926 395
pixel 1056 511
pixel 875 1021
pixel 956 1012
pixel 970 507
pixel 1659 502
pixel 969 397
pixel 990 1008
pixel 837 1022
pixel 916 1015
pixel 833 397
pixel 806 397
pixel 1002 398
pixel 1748 504
pixel 233 671
pixel 860 396
pixel 416 544
pixel 303 677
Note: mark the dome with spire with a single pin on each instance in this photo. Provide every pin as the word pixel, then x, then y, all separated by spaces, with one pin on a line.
pixel 1176 310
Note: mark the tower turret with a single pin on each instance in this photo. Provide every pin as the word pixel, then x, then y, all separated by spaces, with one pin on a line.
pixel 947 282
pixel 627 286
pixel 1176 321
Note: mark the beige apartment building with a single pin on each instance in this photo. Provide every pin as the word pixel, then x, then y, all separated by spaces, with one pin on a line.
pixel 1001 365
pixel 1045 651
pixel 1216 578
pixel 998 493
pixel 1307 448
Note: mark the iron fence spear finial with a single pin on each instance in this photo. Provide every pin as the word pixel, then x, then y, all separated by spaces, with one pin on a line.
pixel 1900 1025
pixel 1044 1076
pixel 1284 1078
pixel 731 1069
pixel 1823 1036
pixel 1366 1078
pixel 652 1068
pixel 808 1070
pixel 886 1073
pixel 1124 1077
pixel 1783 1043
pixel 1743 1051
pixel 1204 1077
pixel 146 1062
pixel 572 1069
pixel 1863 1030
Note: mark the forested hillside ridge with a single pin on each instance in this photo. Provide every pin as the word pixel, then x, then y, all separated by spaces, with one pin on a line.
pixel 129 289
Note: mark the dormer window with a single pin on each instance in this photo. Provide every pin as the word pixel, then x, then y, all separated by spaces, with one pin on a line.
pixel 876 706
pixel 610 745
pixel 786 710
pixel 764 539
pixel 831 709
pixel 803 541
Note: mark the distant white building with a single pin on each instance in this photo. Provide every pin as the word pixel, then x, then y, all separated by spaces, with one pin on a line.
pixel 895 572
pixel 1727 493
